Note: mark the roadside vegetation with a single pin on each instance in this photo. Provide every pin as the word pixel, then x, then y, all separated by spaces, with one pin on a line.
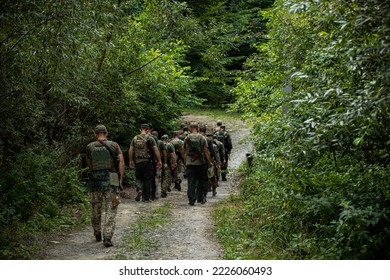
pixel 311 78
pixel 317 94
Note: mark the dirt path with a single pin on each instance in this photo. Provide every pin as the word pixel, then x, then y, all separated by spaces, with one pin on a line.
pixel 189 235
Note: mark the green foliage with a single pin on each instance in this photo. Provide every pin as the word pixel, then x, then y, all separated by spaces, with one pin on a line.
pixel 38 197
pixel 316 94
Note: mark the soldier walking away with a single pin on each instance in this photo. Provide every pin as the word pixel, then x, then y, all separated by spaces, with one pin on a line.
pixel 224 137
pixel 221 150
pixel 213 177
pixel 144 156
pixel 207 186
pixel 163 153
pixel 168 166
pixel 218 126
pixel 197 159
pixel 105 161
pixel 178 172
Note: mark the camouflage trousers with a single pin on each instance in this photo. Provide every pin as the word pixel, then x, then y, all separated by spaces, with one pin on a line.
pixel 213 181
pixel 224 169
pixel 103 200
pixel 166 181
pixel 179 171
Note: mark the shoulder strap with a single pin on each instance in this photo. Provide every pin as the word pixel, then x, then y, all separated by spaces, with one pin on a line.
pixel 115 158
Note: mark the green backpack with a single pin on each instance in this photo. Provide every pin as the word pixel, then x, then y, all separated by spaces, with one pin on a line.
pixel 141 147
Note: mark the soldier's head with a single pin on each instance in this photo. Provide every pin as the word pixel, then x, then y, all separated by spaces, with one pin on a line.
pixel 210 136
pixel 150 127
pixel 184 129
pixel 203 129
pixel 144 128
pixel 194 127
pixel 223 127
pixel 164 138
pixel 155 133
pixel 219 123
pixel 100 131
pixel 176 134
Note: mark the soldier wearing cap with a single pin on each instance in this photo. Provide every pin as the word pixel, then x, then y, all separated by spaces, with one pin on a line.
pixel 206 183
pixel 163 153
pixel 169 166
pixel 218 126
pixel 224 137
pixel 197 159
pixel 102 156
pixel 178 172
pixel 143 153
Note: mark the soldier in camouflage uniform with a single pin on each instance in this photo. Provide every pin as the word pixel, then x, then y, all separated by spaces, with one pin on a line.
pixel 144 156
pixel 207 186
pixel 224 137
pixel 221 150
pixel 213 180
pixel 169 166
pixel 197 159
pixel 163 153
pixel 102 167
pixel 178 172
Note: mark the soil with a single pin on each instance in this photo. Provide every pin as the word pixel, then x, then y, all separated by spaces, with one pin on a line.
pixel 190 234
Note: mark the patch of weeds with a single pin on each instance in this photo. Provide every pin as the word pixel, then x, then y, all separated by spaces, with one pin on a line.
pixel 141 237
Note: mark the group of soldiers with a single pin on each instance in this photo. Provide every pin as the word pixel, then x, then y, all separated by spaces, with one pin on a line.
pixel 196 152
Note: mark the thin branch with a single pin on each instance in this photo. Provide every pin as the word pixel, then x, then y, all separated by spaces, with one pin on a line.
pixel 144 65
pixel 23 36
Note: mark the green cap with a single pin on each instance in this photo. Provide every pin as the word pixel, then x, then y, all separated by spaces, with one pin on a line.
pixel 100 129
pixel 144 126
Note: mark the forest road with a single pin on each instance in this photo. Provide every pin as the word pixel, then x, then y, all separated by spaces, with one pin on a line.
pixel 189 235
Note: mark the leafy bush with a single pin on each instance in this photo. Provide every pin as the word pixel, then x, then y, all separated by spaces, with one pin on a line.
pixel 38 196
pixel 317 95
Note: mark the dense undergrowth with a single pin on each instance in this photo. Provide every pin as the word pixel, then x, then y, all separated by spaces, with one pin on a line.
pixel 317 96
pixel 290 213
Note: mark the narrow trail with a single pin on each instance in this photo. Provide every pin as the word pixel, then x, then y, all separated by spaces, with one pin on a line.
pixel 190 234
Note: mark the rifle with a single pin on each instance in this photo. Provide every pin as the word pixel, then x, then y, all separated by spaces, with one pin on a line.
pixel 116 164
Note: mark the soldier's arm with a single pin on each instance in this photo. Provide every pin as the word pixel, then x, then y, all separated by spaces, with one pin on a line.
pixel 131 157
pixel 206 152
pixel 174 159
pixel 88 160
pixel 158 156
pixel 183 153
pixel 121 167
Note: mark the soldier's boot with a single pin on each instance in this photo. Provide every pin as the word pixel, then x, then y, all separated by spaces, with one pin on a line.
pixel 177 185
pixel 107 242
pixel 98 236
pixel 223 175
pixel 138 197
pixel 214 190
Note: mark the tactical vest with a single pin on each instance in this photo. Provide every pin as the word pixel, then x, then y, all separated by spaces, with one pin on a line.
pixel 101 157
pixel 195 139
pixel 141 147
